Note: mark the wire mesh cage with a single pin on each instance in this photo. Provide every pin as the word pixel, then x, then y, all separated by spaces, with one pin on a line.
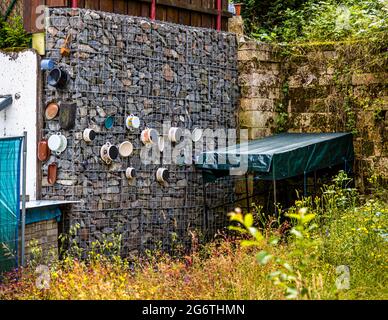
pixel 169 76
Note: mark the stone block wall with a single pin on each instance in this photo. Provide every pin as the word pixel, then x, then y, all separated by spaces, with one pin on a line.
pixel 260 79
pixel 318 88
pixel 337 88
pixel 121 65
pixel 42 235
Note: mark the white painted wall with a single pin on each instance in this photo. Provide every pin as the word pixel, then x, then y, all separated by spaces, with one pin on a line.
pixel 19 75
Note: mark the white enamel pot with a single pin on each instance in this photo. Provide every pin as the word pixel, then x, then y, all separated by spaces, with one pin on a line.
pixel 149 136
pixel 57 143
pixel 132 122
pixel 175 134
pixel 89 135
pixel 130 173
pixel 109 153
pixel 162 175
pixel 125 149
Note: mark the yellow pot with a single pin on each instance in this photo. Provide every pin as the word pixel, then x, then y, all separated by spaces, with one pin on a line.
pixel 38 43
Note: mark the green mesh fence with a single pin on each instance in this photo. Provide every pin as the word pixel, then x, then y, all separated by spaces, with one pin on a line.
pixel 10 154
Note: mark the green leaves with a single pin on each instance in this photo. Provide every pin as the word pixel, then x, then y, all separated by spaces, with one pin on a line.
pixel 326 20
pixel 13 35
pixel 296 233
pixel 248 220
pixel 263 257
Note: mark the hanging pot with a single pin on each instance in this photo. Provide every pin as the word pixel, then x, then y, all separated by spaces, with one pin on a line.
pixel 89 135
pixel 109 153
pixel 52 173
pixel 149 136
pixel 130 173
pixel 132 122
pixel 43 150
pixel 58 78
pixel 125 149
pixel 47 64
pixel 175 134
pixel 237 7
pixel 162 175
pixel 67 115
pixel 51 111
pixel 57 143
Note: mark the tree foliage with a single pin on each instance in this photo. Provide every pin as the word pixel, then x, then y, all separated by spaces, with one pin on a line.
pixel 12 34
pixel 314 20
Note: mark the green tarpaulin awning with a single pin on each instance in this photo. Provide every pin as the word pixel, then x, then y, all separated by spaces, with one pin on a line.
pixel 280 156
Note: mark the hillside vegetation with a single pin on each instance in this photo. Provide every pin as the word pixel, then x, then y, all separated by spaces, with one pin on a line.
pixel 314 20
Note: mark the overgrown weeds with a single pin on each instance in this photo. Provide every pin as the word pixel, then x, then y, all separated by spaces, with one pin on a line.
pixel 334 247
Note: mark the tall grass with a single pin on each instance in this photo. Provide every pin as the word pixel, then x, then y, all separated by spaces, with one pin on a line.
pixel 326 238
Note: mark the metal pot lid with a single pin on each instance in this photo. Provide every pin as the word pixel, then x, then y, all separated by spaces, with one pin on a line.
pixel 197 134
pixel 109 121
pixel 161 144
pixel 51 111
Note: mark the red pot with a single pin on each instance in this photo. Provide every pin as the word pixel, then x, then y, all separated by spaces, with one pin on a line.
pixel 237 7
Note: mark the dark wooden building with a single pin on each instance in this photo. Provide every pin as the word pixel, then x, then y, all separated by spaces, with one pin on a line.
pixel 199 13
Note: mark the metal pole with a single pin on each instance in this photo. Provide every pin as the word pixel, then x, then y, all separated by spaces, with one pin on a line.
pixel 247 191
pixel 153 10
pixel 24 196
pixel 219 5
pixel 274 189
pixel 274 196
pixel 205 211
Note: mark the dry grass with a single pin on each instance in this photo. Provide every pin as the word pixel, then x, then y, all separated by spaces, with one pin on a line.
pixel 230 272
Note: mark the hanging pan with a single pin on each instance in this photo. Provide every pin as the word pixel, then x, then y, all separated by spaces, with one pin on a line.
pixel 43 150
pixel 52 173
pixel 58 78
pixel 51 111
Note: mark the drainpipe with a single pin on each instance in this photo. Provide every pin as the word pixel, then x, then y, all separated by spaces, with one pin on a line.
pixel 153 9
pixel 74 4
pixel 219 5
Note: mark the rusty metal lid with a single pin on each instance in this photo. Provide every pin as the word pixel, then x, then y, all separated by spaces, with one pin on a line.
pixel 52 110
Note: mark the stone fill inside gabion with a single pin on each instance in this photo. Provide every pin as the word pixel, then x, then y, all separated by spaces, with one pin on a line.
pixel 121 65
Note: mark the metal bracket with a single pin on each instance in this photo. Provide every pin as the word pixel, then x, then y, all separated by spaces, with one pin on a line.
pixel 5 101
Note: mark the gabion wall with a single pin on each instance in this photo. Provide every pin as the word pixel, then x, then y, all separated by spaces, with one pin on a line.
pixel 121 65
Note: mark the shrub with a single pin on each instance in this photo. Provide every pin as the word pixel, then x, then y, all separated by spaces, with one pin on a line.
pixel 312 20
pixel 330 235
pixel 13 35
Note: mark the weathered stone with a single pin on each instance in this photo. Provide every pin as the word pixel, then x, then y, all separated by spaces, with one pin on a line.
pixel 120 68
pixel 168 73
